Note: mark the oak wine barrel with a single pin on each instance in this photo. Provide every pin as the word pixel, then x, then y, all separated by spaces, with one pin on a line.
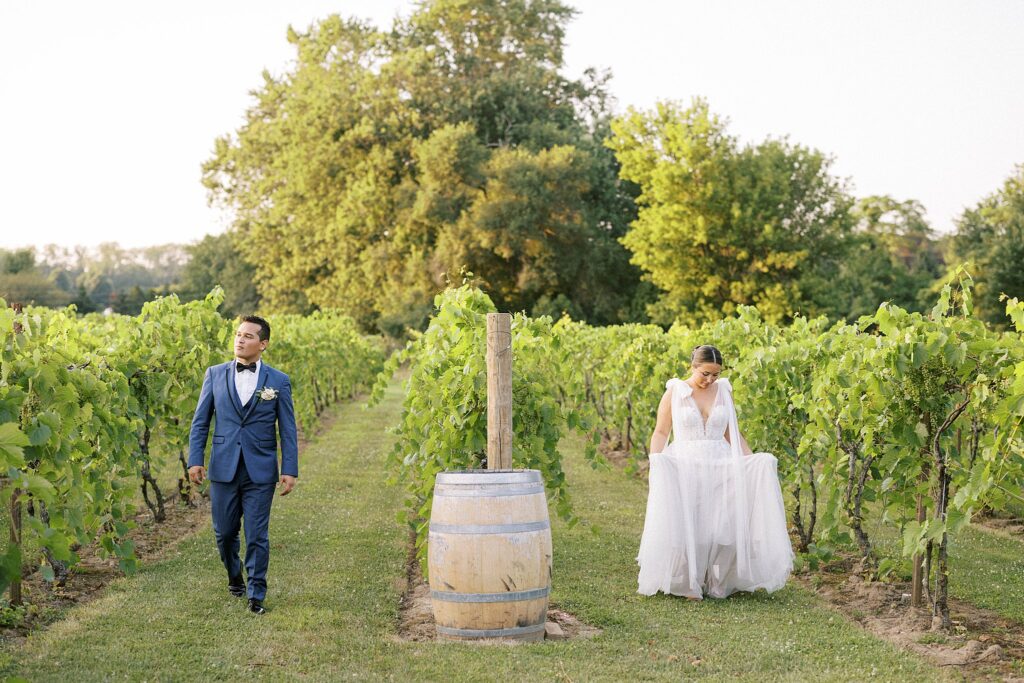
pixel 489 555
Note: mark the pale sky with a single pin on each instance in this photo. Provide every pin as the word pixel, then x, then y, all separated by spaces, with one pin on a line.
pixel 109 107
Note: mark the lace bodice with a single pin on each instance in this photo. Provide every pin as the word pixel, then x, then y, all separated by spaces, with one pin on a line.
pixel 687 422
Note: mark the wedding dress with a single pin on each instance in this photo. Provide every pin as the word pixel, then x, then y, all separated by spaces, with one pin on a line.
pixel 715 521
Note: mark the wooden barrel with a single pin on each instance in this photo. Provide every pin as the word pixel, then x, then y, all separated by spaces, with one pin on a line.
pixel 489 555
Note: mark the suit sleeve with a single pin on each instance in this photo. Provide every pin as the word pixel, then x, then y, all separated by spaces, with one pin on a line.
pixel 201 423
pixel 286 429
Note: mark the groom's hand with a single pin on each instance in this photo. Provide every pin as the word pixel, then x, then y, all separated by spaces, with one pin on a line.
pixel 287 483
pixel 197 473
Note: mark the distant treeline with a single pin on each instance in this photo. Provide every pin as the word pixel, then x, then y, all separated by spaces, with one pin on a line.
pixel 110 277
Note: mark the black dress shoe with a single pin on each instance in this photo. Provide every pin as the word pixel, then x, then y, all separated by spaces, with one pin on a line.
pixel 236 586
pixel 256 606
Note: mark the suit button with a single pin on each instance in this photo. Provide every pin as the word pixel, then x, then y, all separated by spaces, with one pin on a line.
pixel 238 443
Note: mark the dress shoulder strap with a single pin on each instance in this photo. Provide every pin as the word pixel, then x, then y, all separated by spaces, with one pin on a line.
pixel 678 387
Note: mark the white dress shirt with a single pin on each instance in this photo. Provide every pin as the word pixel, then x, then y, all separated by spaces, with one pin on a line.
pixel 245 381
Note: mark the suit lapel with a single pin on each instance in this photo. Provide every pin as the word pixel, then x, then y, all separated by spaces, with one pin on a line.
pixel 261 382
pixel 229 385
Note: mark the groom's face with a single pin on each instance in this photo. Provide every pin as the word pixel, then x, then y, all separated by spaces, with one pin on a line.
pixel 248 346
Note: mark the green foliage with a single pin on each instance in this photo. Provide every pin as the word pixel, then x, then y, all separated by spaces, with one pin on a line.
pixel 721 225
pixel 444 424
pixel 326 358
pixel 92 279
pixel 17 261
pixel 32 288
pixel 991 236
pixel 82 398
pixel 215 261
pixel 892 256
pixel 900 407
pixel 386 161
pixel 22 282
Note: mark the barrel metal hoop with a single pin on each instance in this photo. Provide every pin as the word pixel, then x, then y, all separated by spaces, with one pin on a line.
pixel 490 633
pixel 523 527
pixel 515 596
pixel 489 477
pixel 476 493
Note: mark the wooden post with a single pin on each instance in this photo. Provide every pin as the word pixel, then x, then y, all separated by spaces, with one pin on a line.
pixel 499 391
pixel 15 590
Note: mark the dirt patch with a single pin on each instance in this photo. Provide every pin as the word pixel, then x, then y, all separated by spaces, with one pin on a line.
pixel 416 617
pixel 982 645
pixel 571 625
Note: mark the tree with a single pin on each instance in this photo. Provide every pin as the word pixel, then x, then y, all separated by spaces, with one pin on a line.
pixel 892 255
pixel 129 301
pixel 22 282
pixel 385 163
pixel 991 237
pixel 17 261
pixel 215 260
pixel 31 287
pixel 83 304
pixel 722 225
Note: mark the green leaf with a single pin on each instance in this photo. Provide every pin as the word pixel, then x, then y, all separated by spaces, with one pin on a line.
pixel 39 434
pixel 12 443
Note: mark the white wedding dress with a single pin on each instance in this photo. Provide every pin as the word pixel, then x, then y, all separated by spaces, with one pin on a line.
pixel 715 521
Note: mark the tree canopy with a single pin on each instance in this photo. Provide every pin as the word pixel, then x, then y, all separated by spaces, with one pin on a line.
pixel 891 255
pixel 214 261
pixel 383 163
pixel 722 225
pixel 990 236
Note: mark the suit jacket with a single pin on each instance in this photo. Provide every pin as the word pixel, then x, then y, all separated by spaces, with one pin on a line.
pixel 245 432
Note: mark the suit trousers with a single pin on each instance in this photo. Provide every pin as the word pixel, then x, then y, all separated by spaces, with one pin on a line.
pixel 240 500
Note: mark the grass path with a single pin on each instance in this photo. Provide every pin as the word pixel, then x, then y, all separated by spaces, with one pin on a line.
pixel 336 573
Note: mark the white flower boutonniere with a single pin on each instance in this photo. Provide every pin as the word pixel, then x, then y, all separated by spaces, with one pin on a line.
pixel 268 394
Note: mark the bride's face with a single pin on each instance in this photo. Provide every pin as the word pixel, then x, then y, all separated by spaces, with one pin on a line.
pixel 706 374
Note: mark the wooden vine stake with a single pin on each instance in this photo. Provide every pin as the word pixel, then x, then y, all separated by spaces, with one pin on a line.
pixel 918 578
pixel 15 589
pixel 499 391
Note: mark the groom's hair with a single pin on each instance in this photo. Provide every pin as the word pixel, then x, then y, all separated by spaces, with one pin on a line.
pixel 264 333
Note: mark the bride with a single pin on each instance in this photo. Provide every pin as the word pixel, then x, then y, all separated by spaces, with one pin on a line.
pixel 715 519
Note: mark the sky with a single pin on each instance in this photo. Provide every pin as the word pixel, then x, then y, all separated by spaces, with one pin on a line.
pixel 108 108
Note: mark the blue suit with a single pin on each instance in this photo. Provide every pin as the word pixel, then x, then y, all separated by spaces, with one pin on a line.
pixel 243 469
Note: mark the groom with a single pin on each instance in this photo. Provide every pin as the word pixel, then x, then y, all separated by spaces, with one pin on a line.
pixel 248 398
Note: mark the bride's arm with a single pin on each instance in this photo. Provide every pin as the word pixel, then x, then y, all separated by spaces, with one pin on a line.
pixel 663 425
pixel 744 448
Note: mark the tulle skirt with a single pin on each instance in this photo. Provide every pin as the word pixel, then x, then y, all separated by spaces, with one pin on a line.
pixel 689 543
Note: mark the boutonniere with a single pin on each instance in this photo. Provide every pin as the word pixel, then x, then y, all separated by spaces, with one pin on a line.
pixel 268 394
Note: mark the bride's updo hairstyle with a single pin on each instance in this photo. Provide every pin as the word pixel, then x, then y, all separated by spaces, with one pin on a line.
pixel 705 353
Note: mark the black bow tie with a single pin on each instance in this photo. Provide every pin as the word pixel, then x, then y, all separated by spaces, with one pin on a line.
pixel 242 367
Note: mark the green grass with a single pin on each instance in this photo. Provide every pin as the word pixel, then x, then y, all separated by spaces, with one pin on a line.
pixel 336 567
pixel 986 568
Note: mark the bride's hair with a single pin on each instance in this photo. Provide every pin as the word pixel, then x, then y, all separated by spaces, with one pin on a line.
pixel 705 353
